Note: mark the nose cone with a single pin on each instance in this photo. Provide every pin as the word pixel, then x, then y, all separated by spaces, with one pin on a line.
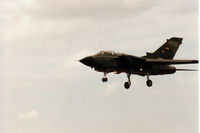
pixel 89 61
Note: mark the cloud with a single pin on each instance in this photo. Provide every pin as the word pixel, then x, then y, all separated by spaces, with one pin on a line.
pixel 26 116
pixel 112 88
pixel 90 9
pixel 72 61
pixel 63 9
pixel 43 39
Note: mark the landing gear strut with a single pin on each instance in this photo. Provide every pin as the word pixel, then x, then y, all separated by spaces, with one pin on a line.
pixel 104 79
pixel 128 84
pixel 149 82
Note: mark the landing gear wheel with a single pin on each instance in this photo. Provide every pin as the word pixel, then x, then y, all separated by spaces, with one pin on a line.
pixel 104 79
pixel 149 83
pixel 127 85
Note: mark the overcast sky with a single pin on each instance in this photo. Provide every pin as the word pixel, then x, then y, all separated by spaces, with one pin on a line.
pixel 44 89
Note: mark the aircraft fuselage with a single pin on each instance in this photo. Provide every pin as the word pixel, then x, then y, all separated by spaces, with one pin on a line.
pixel 157 63
pixel 108 63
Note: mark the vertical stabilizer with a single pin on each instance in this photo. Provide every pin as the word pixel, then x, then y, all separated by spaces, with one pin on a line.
pixel 167 50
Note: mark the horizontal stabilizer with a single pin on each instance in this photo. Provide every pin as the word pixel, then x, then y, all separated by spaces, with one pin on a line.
pixel 186 70
pixel 168 62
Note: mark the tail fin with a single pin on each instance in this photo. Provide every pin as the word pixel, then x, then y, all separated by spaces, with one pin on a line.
pixel 168 49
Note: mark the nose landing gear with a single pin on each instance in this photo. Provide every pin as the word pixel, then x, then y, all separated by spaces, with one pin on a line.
pixel 104 79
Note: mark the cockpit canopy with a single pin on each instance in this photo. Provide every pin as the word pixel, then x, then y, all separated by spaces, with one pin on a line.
pixel 106 53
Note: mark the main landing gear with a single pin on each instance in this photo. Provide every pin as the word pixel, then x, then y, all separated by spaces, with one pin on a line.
pixel 128 84
pixel 149 82
pixel 104 79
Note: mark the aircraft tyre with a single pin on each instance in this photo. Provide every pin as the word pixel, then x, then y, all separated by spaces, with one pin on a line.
pixel 127 85
pixel 104 79
pixel 149 83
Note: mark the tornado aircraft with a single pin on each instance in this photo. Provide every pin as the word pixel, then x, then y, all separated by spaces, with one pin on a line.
pixel 157 63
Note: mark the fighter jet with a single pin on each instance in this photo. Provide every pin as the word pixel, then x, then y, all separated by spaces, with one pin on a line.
pixel 157 63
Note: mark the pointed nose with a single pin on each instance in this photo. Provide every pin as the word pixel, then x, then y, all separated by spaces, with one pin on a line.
pixel 89 61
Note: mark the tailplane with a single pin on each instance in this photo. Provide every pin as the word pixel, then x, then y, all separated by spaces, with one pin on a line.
pixel 167 50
